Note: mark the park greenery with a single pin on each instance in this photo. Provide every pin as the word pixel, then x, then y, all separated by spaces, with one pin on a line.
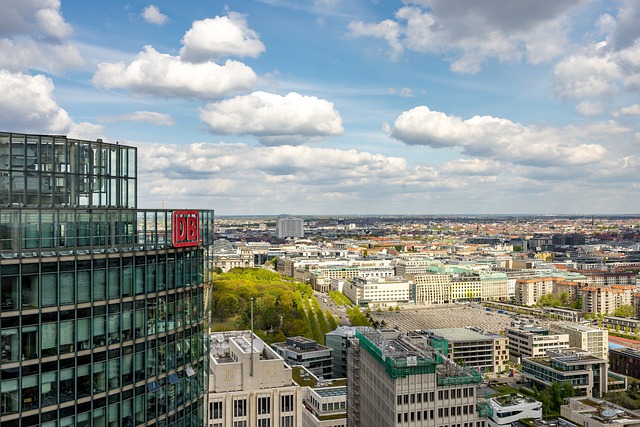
pixel 282 307
pixel 629 399
pixel 625 311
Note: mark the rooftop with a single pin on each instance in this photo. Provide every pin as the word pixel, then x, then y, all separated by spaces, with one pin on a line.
pixel 459 334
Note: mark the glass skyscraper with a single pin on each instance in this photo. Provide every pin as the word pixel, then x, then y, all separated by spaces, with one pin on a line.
pixel 102 313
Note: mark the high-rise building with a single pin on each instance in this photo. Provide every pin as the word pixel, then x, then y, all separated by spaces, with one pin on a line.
pixel 287 226
pixel 102 304
pixel 399 380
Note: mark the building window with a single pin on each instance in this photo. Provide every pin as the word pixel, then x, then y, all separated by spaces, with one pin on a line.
pixel 215 410
pixel 286 402
pixel 264 422
pixel 286 421
pixel 240 408
pixel 264 405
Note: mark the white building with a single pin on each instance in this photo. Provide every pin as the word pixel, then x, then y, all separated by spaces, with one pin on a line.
pixel 511 408
pixel 533 341
pixel 250 386
pixel 287 226
pixel 377 291
pixel 589 338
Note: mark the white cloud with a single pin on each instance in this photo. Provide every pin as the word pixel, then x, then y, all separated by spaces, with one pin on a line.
pixel 589 109
pixel 274 119
pixel 28 105
pixel 154 73
pixel 471 31
pixel 631 110
pixel 88 131
pixel 592 73
pixel 220 36
pixel 152 117
pixel 152 15
pixel 27 17
pixel 502 139
pixel 33 34
pixel 22 54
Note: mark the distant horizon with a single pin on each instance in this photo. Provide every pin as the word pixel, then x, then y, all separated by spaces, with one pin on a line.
pixel 635 215
pixel 333 106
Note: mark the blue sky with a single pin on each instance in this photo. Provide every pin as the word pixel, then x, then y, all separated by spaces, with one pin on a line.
pixel 342 106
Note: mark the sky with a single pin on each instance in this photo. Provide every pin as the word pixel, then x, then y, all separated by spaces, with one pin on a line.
pixel 341 107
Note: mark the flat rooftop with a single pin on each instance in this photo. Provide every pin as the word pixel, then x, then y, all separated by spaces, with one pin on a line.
pixel 459 334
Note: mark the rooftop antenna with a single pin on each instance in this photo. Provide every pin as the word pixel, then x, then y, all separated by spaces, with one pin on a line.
pixel 251 356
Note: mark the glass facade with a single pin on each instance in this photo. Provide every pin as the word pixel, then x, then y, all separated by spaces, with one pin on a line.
pixel 101 316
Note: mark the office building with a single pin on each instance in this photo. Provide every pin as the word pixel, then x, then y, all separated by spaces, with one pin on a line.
pixel 338 340
pixel 287 226
pixel 102 304
pixel 306 352
pixel 587 374
pixel 510 408
pixel 395 379
pixel 625 361
pixel 250 384
pixel 377 291
pixel 473 348
pixel 532 341
pixel 589 338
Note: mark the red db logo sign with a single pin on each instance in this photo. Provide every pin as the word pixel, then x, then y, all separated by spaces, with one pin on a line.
pixel 186 228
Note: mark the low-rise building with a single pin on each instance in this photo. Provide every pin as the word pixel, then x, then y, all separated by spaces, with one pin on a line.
pixel 592 412
pixel 625 361
pixel 377 291
pixel 324 401
pixel 510 408
pixel 585 373
pixel 306 352
pixel 526 340
pixel 589 338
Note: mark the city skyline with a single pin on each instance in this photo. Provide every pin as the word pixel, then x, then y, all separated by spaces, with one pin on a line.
pixel 416 107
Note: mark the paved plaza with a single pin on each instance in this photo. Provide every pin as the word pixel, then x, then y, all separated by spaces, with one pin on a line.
pixel 411 318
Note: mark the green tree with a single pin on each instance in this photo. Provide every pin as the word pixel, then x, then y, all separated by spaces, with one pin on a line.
pixel 625 311
pixel 226 306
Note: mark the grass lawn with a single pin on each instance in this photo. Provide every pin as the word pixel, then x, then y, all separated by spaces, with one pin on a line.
pixel 226 325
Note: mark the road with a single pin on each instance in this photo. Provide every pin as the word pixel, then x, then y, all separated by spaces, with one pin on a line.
pixel 336 310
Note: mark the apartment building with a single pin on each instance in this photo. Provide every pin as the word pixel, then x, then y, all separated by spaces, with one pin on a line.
pixel 395 380
pixel 287 226
pixel 605 299
pixel 529 290
pixel 250 384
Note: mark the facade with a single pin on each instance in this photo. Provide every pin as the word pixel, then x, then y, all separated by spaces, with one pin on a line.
pixel 587 374
pixel 625 361
pixel 533 341
pixel 338 340
pixel 376 292
pixel 510 408
pixel 321 277
pixel 287 226
pixel 589 338
pixel 529 290
pixel 605 299
pixel 250 384
pixel 306 352
pixel 102 304
pixel 467 347
pixel 395 380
